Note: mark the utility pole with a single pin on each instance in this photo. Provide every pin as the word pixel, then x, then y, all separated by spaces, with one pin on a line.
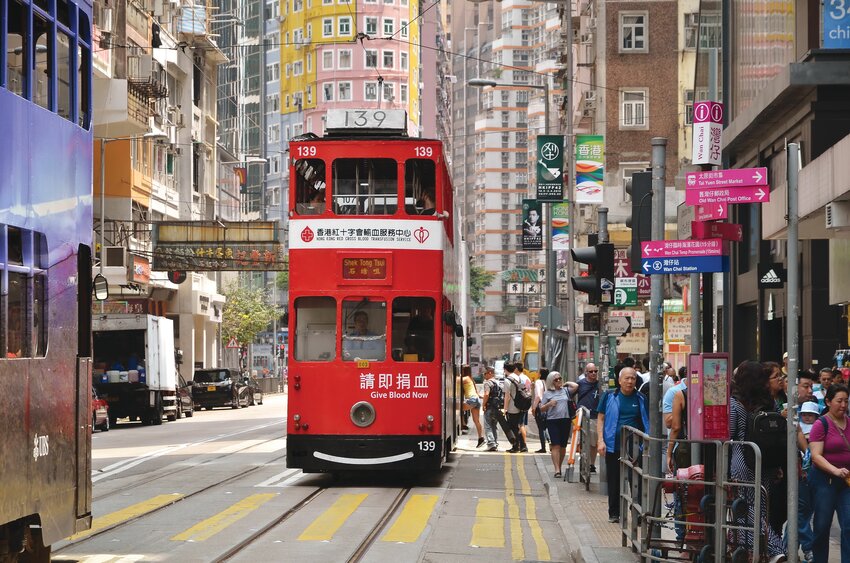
pixel 792 309
pixel 656 323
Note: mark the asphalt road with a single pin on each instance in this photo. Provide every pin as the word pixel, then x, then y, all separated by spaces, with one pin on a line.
pixel 215 487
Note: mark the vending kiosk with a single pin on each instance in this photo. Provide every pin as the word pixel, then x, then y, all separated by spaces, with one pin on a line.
pixel 709 384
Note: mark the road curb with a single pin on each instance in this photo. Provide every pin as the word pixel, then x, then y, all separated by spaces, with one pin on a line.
pixel 578 553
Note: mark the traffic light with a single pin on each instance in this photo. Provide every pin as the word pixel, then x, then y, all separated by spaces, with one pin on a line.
pixel 640 188
pixel 599 281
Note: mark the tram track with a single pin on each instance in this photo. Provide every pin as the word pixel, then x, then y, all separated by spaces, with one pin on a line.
pixel 237 476
pixel 153 478
pixel 359 552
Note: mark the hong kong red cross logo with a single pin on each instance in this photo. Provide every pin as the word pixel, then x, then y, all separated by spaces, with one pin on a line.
pixel 307 234
pixel 421 234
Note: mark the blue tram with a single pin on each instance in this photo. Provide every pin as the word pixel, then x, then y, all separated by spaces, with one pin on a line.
pixel 45 274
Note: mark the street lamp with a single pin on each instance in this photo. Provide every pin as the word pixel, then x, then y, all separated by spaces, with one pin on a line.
pixel 550 261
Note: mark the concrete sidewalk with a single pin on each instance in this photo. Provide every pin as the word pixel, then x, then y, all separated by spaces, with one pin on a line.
pixel 583 517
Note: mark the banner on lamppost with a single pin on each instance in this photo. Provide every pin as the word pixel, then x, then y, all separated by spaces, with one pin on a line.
pixel 532 225
pixel 590 168
pixel 560 226
pixel 550 167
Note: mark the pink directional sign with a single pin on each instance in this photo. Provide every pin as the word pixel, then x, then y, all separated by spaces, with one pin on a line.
pixel 711 212
pixel 751 194
pixel 725 231
pixel 734 178
pixel 682 248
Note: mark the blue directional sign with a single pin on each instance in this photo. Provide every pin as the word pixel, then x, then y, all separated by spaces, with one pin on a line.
pixel 685 265
pixel 836 25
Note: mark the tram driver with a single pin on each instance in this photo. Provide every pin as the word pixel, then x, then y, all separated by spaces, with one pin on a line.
pixel 361 342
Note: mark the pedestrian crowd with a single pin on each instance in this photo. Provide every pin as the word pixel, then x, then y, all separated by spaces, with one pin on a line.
pixel 758 402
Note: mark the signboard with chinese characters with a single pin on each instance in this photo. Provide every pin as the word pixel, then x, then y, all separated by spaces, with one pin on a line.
pixel 708 126
pixel 550 167
pixel 398 385
pixel 532 225
pixel 750 194
pixel 560 226
pixel 732 178
pixel 590 168
pixel 677 327
pixel 349 234
pixel 217 246
pixel 685 265
pixel 199 257
pixel 679 248
pixel 622 265
pixel 625 292
pixel 364 268
pixel 638 317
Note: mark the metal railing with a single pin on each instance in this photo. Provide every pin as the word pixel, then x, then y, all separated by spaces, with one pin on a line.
pixel 714 526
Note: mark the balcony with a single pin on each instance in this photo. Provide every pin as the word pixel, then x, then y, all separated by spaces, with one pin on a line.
pixel 122 111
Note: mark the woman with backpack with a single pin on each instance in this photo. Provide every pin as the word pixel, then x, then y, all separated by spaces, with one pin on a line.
pixel 829 475
pixel 751 397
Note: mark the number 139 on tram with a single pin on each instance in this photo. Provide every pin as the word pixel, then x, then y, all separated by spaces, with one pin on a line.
pixel 372 371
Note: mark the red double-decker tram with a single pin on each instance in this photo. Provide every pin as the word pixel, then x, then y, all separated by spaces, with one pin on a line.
pixel 372 371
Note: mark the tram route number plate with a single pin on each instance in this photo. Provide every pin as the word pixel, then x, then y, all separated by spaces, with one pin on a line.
pixel 362 364
pixel 427 445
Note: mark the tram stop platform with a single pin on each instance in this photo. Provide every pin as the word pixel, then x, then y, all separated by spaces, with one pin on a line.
pixel 580 515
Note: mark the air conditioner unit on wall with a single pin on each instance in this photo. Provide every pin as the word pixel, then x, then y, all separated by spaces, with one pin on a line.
pixel 838 215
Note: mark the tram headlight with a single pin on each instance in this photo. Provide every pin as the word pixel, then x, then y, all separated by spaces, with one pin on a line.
pixel 430 420
pixel 362 414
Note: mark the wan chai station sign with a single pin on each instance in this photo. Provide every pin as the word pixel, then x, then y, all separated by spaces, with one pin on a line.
pixel 217 246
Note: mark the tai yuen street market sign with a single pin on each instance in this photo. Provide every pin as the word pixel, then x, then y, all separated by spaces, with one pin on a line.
pixel 739 185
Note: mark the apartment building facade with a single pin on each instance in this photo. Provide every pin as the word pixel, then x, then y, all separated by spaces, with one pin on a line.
pixel 155 127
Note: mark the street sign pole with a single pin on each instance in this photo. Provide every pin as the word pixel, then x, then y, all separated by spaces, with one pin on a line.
pixel 656 322
pixel 792 309
pixel 603 306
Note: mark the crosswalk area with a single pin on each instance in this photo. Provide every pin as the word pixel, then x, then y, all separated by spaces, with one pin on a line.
pixel 502 517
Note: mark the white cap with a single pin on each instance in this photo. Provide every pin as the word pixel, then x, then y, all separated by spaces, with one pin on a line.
pixel 810 407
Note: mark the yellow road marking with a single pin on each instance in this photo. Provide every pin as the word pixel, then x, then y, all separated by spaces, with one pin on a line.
pixel 412 520
pixel 325 526
pixel 489 527
pixel 531 515
pixel 514 523
pixel 213 525
pixel 128 513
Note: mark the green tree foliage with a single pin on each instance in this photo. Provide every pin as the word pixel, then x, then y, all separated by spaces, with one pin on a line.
pixel 247 312
pixel 479 279
pixel 282 279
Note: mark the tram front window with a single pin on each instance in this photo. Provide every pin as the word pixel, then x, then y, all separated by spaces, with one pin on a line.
pixel 364 330
pixel 365 186
pixel 310 186
pixel 413 329
pixel 315 329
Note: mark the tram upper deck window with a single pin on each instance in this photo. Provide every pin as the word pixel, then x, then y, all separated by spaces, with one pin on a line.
pixel 315 329
pixel 310 186
pixel 365 186
pixel 16 48
pixel 413 329
pixel 420 187
pixel 365 330
pixel 63 74
pixel 42 51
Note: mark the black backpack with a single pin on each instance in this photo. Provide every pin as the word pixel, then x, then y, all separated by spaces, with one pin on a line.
pixel 497 395
pixel 522 398
pixel 768 430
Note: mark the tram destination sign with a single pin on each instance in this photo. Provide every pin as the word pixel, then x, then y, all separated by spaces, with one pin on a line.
pixel 364 268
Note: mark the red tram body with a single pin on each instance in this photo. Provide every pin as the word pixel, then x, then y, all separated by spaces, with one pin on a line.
pixel 373 380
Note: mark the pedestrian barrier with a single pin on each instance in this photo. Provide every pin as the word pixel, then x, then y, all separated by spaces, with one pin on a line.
pixel 578 422
pixel 712 516
pixel 587 441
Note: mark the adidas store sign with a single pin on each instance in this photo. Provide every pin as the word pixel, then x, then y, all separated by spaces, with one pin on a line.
pixel 771 276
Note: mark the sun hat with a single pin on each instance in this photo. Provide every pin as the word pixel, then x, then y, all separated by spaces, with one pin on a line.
pixel 810 407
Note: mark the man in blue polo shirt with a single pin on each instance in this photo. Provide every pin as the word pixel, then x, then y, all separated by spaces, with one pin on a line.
pixel 619 408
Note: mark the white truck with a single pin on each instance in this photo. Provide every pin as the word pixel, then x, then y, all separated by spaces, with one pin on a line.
pixel 134 366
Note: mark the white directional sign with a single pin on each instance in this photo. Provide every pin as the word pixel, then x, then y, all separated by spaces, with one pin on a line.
pixel 708 127
pixel 619 325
